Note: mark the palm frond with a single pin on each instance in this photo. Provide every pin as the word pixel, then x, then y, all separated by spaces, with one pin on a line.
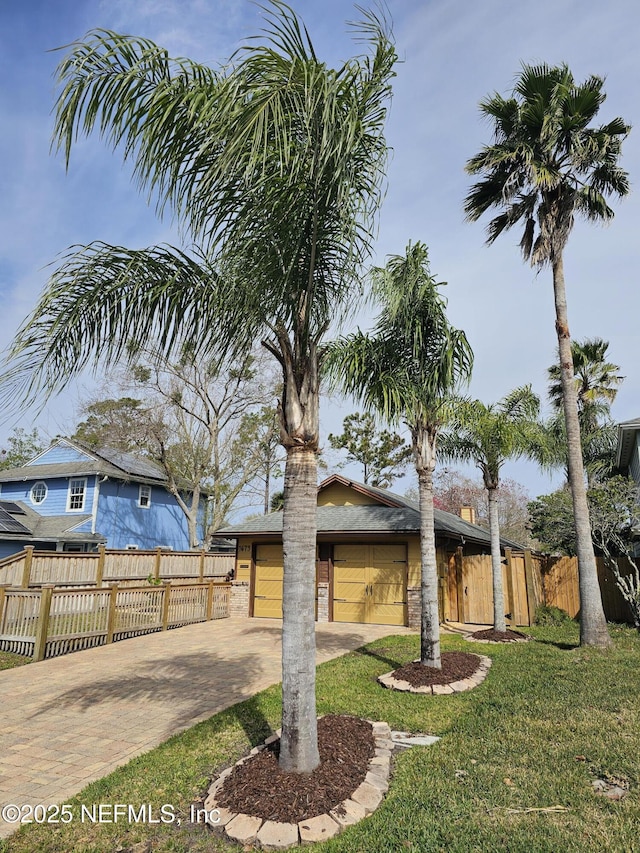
pixel 546 151
pixel 99 300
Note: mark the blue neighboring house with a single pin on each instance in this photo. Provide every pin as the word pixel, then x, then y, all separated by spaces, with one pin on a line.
pixel 73 498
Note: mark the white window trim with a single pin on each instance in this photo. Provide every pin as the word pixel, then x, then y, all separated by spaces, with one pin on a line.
pixel 46 492
pixel 84 494
pixel 140 488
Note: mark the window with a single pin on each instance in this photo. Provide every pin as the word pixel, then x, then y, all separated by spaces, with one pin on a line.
pixel 38 492
pixel 75 500
pixel 144 496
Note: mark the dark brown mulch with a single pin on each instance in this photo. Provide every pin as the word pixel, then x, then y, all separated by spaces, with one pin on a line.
pixel 455 666
pixel 507 636
pixel 258 787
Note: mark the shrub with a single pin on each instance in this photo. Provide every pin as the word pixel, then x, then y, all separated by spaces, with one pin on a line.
pixel 547 614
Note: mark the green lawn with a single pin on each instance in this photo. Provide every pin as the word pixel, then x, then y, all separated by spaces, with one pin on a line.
pixel 9 660
pixel 547 721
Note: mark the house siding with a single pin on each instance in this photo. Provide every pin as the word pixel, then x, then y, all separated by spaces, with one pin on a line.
pixel 60 453
pixel 123 522
pixel 55 502
pixel 337 494
pixel 634 462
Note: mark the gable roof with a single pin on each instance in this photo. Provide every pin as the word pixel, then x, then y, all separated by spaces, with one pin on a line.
pixel 390 514
pixel 101 460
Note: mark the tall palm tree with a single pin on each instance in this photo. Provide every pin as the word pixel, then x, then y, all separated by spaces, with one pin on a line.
pixel 489 435
pixel 274 166
pixel 406 371
pixel 544 167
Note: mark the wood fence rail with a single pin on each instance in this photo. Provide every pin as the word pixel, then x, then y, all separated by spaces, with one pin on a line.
pixel 31 568
pixel 49 621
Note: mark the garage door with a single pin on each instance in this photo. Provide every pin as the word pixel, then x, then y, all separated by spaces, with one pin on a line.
pixel 267 600
pixel 370 583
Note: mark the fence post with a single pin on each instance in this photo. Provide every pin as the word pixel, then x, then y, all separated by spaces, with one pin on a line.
pixel 165 605
pixel 510 594
pixel 201 575
pixel 531 592
pixel 3 598
pixel 111 618
pixel 460 582
pixel 42 629
pixel 156 568
pixel 100 567
pixel 210 593
pixel 26 569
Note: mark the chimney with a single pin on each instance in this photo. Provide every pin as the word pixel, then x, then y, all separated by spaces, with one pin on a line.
pixel 468 513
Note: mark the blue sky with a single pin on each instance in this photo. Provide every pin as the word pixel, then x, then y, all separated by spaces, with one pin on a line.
pixel 454 53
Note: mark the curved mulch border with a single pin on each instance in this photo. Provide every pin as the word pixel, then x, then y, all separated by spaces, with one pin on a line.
pixel 441 684
pixel 277 834
pixel 488 635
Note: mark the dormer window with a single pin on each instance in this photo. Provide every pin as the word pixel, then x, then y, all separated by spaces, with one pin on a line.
pixel 38 492
pixel 144 496
pixel 76 496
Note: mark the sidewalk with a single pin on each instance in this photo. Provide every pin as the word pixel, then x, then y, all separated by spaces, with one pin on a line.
pixel 70 720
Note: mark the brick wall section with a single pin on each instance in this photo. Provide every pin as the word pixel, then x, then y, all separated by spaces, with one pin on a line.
pixel 239 598
pixel 414 609
pixel 323 602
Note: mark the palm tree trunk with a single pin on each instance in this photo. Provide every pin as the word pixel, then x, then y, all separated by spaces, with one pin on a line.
pixel 499 623
pixel 299 741
pixel 424 452
pixel 593 625
pixel 430 619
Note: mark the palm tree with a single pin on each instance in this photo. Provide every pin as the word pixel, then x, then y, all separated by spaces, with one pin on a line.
pixel 274 167
pixel 545 166
pixel 406 371
pixel 489 435
pixel 595 378
pixel 596 382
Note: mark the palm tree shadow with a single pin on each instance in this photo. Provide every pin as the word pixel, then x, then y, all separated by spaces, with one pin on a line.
pixel 393 663
pixel 194 687
pixel 559 645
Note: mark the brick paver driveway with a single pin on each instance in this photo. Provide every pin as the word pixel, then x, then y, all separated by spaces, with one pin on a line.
pixel 68 721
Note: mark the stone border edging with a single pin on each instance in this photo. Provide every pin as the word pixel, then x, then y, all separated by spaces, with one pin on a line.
pixel 498 642
pixel 276 835
pixel 387 680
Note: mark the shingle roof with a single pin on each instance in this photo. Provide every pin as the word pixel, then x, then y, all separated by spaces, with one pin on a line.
pixel 373 518
pixel 48 527
pixel 103 460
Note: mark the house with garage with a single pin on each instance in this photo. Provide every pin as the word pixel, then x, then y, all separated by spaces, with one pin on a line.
pixel 73 498
pixel 368 561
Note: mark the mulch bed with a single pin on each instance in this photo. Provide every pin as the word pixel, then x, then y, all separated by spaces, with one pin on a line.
pixel 455 667
pixel 259 787
pixel 507 636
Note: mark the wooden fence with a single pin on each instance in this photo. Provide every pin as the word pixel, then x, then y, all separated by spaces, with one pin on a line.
pixel 47 622
pixel 528 580
pixel 560 580
pixel 31 568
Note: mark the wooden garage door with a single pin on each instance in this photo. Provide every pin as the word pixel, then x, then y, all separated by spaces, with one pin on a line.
pixel 267 599
pixel 370 583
